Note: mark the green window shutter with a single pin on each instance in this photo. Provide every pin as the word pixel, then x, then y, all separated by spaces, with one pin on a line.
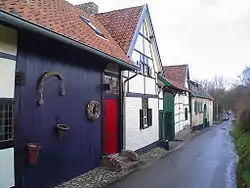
pixel 141 119
pixel 186 113
pixel 149 116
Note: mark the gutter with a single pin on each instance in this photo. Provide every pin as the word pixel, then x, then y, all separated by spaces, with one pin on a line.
pixel 27 25
pixel 124 107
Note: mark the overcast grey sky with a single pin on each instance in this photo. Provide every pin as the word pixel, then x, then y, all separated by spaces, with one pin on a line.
pixel 212 36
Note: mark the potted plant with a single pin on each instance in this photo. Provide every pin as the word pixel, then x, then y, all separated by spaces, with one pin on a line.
pixel 33 152
pixel 62 130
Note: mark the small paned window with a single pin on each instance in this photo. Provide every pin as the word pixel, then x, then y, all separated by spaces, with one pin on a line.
pixel 195 107
pixel 144 65
pixel 143 46
pixel 113 83
pixel 145 115
pixel 6 122
pixel 90 24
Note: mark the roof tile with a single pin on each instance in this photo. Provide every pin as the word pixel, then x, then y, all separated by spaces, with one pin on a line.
pixel 176 74
pixel 121 24
pixel 63 18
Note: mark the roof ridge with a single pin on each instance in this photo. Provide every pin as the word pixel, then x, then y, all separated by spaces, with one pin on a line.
pixel 175 65
pixel 122 9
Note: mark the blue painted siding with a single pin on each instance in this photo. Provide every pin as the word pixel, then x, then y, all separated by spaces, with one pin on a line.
pixel 81 150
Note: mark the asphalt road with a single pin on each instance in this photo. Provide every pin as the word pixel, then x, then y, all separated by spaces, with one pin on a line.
pixel 206 161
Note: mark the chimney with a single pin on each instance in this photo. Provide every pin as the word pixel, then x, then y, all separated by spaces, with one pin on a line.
pixel 90 8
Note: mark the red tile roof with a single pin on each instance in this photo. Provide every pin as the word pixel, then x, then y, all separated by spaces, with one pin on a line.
pixel 63 18
pixel 176 74
pixel 121 24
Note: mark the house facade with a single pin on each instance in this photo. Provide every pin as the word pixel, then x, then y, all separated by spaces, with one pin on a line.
pixel 59 88
pixel 133 30
pixel 8 53
pixel 179 76
pixel 201 107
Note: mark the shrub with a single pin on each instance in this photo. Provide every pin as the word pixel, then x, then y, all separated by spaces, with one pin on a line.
pixel 244 119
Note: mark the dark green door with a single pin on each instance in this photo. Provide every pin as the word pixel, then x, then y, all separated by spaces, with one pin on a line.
pixel 168 129
pixel 161 125
pixel 205 115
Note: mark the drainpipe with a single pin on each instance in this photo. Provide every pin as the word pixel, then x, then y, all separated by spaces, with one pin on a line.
pixel 123 107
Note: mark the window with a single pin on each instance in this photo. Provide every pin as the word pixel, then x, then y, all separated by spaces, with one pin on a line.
pixel 144 65
pixel 143 47
pixel 6 122
pixel 186 113
pixel 113 82
pixel 90 24
pixel 195 107
pixel 145 115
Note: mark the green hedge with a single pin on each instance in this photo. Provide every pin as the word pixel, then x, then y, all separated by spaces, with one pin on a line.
pixel 242 144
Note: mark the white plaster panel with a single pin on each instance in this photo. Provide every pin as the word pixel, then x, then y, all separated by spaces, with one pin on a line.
pixel 7 79
pixel 211 113
pixel 7 178
pixel 186 99
pixel 161 94
pixel 150 86
pixel 8 40
pixel 181 102
pixel 136 84
pixel 160 104
pixel 136 138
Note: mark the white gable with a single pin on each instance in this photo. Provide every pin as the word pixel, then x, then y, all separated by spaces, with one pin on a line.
pixel 146 46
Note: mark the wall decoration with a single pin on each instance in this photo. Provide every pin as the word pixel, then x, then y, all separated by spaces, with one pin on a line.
pixel 62 130
pixel 40 86
pixel 33 152
pixel 93 110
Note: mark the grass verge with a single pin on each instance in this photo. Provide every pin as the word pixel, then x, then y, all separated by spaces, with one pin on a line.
pixel 242 144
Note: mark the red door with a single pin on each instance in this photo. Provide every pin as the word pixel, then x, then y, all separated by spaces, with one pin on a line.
pixel 111 126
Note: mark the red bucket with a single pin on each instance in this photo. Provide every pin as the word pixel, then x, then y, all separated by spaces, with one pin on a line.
pixel 33 152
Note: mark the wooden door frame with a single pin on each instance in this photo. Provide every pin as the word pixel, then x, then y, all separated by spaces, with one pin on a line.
pixel 119 108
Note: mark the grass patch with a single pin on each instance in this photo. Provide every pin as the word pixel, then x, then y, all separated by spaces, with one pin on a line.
pixel 242 144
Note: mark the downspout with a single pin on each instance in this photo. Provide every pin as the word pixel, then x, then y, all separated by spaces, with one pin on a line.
pixel 123 107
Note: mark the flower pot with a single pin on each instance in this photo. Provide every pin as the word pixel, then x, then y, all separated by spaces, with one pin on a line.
pixel 62 130
pixel 33 152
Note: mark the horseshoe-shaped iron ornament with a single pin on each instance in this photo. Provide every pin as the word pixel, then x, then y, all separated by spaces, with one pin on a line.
pixel 40 85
